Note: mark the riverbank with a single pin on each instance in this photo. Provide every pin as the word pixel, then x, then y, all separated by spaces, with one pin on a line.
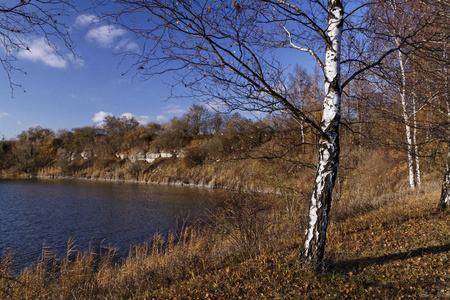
pixel 244 175
pixel 169 181
pixel 398 251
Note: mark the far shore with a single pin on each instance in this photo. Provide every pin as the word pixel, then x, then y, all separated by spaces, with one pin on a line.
pixel 168 181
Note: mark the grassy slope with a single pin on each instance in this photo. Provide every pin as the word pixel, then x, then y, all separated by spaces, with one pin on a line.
pixel 397 252
pixel 400 250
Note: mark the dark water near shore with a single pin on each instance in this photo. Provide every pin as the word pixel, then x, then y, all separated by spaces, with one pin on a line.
pixel 37 212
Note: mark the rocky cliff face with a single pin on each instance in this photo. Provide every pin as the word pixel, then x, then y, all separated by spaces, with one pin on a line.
pixel 134 156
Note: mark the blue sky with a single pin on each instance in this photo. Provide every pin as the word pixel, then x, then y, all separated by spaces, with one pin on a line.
pixel 63 92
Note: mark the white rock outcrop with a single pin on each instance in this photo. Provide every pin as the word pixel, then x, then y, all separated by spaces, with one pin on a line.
pixel 150 157
pixel 85 154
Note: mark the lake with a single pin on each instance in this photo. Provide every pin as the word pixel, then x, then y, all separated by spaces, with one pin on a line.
pixel 35 212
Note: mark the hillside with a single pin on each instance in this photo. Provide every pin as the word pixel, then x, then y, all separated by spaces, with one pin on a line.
pixel 401 251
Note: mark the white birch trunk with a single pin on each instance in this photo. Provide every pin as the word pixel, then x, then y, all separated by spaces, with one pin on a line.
pixel 359 125
pixel 409 142
pixel 303 132
pixel 329 142
pixel 445 194
pixel 416 150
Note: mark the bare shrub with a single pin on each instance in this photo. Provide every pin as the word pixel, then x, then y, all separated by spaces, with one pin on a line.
pixel 244 218
pixel 195 155
pixel 372 179
pixel 134 169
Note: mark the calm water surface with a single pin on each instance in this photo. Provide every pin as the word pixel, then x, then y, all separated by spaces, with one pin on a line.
pixel 37 212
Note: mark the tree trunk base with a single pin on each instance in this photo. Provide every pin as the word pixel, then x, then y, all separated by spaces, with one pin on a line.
pixel 445 194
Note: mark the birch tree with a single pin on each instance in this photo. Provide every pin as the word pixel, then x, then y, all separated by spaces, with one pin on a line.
pixel 445 194
pixel 408 118
pixel 400 19
pixel 230 53
pixel 423 75
pixel 436 90
pixel 442 9
pixel 436 78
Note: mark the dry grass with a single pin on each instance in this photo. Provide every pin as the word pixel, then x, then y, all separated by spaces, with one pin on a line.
pixel 402 251
pixel 396 251
pixel 240 174
pixel 158 263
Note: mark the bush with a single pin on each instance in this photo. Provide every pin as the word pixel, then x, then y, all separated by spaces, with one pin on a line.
pixel 194 156
pixel 135 168
pixel 175 136
pixel 244 218
pixel 202 151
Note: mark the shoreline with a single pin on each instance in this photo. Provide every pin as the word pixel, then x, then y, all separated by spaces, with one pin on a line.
pixel 171 182
pixel 211 184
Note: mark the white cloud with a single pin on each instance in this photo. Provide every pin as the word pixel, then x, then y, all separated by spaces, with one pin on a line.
pixel 143 119
pixel 173 109
pixel 140 119
pixel 86 20
pixel 100 116
pixel 127 115
pixel 4 114
pixel 19 123
pixel 127 45
pixel 41 51
pixel 109 36
pixel 76 60
pixel 105 35
pixel 218 106
pixel 161 118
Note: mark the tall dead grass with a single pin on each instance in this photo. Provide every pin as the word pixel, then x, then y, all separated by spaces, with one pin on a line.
pixel 239 226
pixel 370 180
